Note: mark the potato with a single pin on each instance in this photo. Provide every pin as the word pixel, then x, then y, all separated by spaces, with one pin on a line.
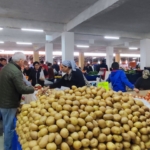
pixel 64 133
pixel 51 137
pixel 111 146
pixel 126 144
pixel 76 145
pixel 115 130
pixel 51 146
pixel 32 143
pixel 93 142
pixel 34 135
pixel 102 138
pixel 44 141
pixel 58 139
pixel 138 125
pixel 106 131
pixel 61 123
pixel 135 147
pixel 108 117
pixel 102 123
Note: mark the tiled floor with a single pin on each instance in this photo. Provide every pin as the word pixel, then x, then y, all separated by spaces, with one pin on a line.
pixel 1 143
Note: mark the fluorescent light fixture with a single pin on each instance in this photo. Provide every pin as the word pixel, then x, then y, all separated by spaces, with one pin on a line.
pixel 23 43
pixel 13 51
pixel 32 30
pixel 130 55
pixel 1 28
pixel 83 46
pixel 1 50
pixel 94 54
pixel 1 42
pixel 133 48
pixel 134 58
pixel 57 53
pixel 94 57
pixel 112 37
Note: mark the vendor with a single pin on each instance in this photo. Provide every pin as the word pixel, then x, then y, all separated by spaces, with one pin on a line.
pixel 73 76
pixel 143 83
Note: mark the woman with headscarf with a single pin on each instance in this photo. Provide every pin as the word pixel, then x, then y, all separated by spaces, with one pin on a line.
pixel 73 76
pixel 143 83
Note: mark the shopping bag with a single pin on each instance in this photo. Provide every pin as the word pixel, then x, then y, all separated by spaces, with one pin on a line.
pixel 105 85
pixel 42 76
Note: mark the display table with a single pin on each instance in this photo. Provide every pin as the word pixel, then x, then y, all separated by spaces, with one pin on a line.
pixel 92 78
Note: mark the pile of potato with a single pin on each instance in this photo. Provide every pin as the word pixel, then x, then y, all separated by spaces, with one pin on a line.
pixel 86 118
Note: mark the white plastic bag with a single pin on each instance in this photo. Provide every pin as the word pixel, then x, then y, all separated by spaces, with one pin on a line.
pixel 42 77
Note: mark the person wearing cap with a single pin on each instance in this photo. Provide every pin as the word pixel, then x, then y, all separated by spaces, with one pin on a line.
pixel 143 83
pixel 73 76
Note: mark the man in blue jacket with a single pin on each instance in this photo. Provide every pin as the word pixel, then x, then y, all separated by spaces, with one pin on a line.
pixel 119 80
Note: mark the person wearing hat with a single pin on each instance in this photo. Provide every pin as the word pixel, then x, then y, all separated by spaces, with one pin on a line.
pixel 73 76
pixel 143 83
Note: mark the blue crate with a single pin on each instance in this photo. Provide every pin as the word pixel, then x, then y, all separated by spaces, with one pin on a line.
pixel 15 143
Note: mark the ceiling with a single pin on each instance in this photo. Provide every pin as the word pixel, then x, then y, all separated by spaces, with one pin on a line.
pixel 90 20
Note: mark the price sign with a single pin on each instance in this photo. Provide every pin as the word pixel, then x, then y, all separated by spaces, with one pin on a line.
pixel 105 85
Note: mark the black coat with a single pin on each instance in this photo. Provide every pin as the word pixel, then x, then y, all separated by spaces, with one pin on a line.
pixel 27 72
pixel 88 69
pixel 103 65
pixel 56 67
pixel 35 77
pixel 76 79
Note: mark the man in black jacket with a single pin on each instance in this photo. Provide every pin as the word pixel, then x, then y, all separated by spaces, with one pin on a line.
pixel 102 65
pixel 88 68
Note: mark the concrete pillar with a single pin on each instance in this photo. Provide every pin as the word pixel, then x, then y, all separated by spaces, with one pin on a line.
pixel 117 57
pixel 35 56
pixel 109 56
pixel 49 52
pixel 81 60
pixel 145 53
pixel 67 42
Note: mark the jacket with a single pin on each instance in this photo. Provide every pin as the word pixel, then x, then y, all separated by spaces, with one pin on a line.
pixel 12 86
pixel 1 66
pixel 88 69
pixel 143 84
pixel 35 77
pixel 75 78
pixel 50 73
pixel 103 65
pixel 119 81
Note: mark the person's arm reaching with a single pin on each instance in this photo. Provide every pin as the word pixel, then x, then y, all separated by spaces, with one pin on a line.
pixel 108 80
pixel 127 83
pixel 57 84
pixel 20 86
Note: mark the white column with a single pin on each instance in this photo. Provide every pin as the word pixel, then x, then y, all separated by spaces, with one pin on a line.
pixel 67 43
pixel 145 53
pixel 109 56
pixel 49 52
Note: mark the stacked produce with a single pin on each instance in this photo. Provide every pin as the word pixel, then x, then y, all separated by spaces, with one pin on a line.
pixel 84 119
pixel 146 97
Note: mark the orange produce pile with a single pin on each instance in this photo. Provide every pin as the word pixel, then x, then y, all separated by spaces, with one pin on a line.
pixel 146 97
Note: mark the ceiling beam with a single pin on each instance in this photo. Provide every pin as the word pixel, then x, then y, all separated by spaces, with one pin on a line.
pixel 20 23
pixel 96 8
